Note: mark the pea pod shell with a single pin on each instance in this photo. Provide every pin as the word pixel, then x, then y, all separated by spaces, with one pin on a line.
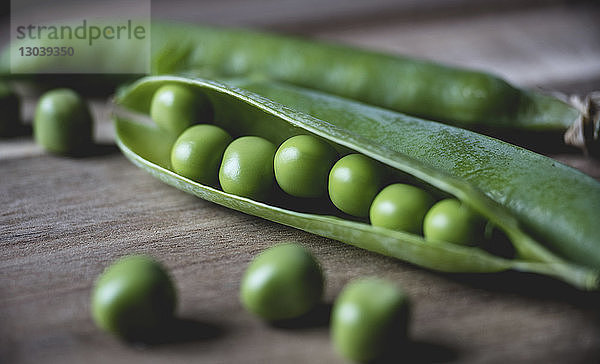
pixel 554 202
pixel 248 113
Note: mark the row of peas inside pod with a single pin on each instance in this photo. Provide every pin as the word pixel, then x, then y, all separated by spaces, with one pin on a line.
pixel 306 169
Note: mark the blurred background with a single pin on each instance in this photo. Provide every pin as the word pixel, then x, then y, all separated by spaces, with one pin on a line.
pixel 552 44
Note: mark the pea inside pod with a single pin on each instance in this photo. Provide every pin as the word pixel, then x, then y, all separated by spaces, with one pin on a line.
pixel 302 165
pixel 247 167
pixel 452 221
pixel 401 207
pixel 354 181
pixel 175 108
pixel 246 113
pixel 198 151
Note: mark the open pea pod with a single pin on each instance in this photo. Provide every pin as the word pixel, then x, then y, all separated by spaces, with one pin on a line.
pixel 518 191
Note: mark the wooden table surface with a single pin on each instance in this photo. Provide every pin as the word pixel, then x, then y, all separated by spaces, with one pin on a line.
pixel 62 220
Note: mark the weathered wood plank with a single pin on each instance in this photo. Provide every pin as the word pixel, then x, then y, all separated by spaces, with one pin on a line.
pixel 62 219
pixel 67 220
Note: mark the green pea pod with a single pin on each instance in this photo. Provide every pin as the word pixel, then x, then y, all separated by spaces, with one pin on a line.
pixel 463 97
pixel 530 197
pixel 412 86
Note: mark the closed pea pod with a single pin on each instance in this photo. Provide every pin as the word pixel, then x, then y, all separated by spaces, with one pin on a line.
pixel 449 94
pixel 439 156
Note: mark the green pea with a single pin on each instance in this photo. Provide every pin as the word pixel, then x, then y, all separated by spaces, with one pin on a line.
pixel 282 282
pixel 133 298
pixel 401 207
pixel 302 165
pixel 353 183
pixel 247 167
pixel 175 108
pixel 9 107
pixel 452 221
pixel 62 123
pixel 369 319
pixel 197 153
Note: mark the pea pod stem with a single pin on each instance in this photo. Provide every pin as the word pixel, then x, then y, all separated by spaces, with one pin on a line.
pixel 585 131
pixel 248 113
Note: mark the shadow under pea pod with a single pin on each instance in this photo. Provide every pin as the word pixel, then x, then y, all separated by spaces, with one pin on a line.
pixel 319 316
pixel 179 331
pixel 546 142
pixel 90 151
pixel 419 352
pixel 19 130
pixel 10 118
pixel 531 286
pixel 98 150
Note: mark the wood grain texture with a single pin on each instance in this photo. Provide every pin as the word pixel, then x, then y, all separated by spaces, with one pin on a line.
pixel 72 217
pixel 63 220
pixel 537 47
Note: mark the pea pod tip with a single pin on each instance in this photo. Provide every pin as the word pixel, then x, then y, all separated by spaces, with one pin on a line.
pixel 584 133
